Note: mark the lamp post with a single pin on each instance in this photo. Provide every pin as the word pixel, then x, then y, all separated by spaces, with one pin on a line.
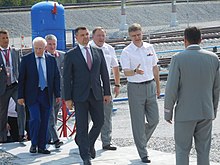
pixel 123 24
pixel 173 21
pixel 187 14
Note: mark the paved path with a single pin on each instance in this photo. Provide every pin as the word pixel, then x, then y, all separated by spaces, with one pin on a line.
pixel 68 154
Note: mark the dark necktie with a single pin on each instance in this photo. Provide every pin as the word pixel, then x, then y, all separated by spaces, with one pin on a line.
pixel 42 81
pixel 88 58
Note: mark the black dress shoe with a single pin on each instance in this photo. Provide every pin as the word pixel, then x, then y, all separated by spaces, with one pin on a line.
pixel 58 144
pixel 43 151
pixel 33 149
pixel 109 147
pixel 87 162
pixel 92 153
pixel 22 138
pixel 145 159
pixel 50 142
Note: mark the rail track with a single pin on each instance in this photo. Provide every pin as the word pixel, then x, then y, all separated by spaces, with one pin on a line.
pixel 96 4
pixel 170 36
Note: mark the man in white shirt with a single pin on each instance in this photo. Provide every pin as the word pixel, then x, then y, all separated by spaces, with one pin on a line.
pixel 99 36
pixel 139 63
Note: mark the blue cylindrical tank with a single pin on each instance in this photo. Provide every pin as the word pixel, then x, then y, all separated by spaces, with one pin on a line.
pixel 48 18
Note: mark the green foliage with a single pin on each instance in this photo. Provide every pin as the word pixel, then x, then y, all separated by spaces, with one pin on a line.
pixel 7 3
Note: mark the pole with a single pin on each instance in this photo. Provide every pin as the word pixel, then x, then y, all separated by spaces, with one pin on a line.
pixel 187 14
pixel 173 22
pixel 123 25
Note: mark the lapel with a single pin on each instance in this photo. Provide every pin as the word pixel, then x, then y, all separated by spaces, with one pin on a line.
pixel 2 65
pixel 81 57
pixel 94 56
pixel 47 60
pixel 14 61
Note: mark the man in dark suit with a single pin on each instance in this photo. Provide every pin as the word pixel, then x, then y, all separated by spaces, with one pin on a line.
pixel 9 63
pixel 83 68
pixel 39 81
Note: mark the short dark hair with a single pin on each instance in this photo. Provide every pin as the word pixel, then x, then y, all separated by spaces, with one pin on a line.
pixel 80 28
pixel 3 31
pixel 192 35
pixel 134 27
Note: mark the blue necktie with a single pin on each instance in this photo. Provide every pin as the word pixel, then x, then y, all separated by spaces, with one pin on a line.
pixel 42 81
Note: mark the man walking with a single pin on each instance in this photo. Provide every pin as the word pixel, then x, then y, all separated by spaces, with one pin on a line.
pixel 99 36
pixel 139 62
pixel 9 64
pixel 83 68
pixel 39 82
pixel 59 56
pixel 193 87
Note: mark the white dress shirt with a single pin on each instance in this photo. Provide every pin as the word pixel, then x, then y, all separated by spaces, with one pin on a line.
pixel 109 54
pixel 43 63
pixel 132 56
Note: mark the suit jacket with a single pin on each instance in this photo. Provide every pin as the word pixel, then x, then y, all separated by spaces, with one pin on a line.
pixel 79 80
pixel 3 74
pixel 193 85
pixel 60 64
pixel 28 80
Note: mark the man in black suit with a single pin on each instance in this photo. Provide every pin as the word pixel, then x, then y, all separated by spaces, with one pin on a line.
pixel 39 81
pixel 83 68
pixel 9 64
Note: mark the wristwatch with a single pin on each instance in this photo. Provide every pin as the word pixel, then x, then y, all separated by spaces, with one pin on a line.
pixel 117 85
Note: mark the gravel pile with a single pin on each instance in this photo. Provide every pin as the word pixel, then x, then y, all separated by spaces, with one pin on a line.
pixel 154 18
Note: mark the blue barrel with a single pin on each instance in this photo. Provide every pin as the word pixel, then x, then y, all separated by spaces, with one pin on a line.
pixel 48 18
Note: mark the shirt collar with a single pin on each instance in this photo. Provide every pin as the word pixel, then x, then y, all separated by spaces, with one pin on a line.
pixel 42 56
pixel 192 45
pixel 82 47
pixel 4 48
pixel 92 43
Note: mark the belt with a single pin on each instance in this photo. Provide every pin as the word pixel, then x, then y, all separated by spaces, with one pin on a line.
pixel 12 85
pixel 144 82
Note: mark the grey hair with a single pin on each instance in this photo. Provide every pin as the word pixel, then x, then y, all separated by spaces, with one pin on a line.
pixel 51 37
pixel 40 39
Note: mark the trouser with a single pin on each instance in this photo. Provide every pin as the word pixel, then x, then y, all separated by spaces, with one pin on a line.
pixel 106 131
pixel 86 141
pixel 144 113
pixel 184 132
pixel 11 91
pixel 53 121
pixel 39 118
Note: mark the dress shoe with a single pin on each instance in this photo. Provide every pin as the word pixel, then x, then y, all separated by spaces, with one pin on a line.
pixel 22 138
pixel 58 144
pixel 92 153
pixel 33 149
pixel 109 147
pixel 43 151
pixel 87 162
pixel 145 159
pixel 50 142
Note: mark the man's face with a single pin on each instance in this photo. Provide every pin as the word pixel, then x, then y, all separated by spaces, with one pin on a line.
pixel 51 46
pixel 39 48
pixel 83 37
pixel 99 37
pixel 4 40
pixel 136 37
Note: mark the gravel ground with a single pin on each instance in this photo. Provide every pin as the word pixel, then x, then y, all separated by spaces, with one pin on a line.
pixel 154 18
pixel 162 139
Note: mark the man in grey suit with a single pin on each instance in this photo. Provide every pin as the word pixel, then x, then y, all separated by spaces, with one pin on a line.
pixel 9 63
pixel 83 67
pixel 193 87
pixel 59 56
